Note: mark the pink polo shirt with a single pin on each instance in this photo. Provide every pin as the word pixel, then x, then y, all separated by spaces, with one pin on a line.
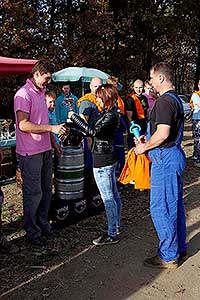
pixel 31 100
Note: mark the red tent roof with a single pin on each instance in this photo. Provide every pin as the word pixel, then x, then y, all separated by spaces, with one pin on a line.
pixel 10 66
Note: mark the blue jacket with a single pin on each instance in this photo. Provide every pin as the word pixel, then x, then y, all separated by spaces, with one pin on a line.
pixel 52 121
pixel 62 108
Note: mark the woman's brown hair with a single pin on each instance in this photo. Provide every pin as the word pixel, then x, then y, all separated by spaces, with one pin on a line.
pixel 109 95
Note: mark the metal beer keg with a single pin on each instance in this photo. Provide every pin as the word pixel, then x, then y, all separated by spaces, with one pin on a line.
pixel 69 174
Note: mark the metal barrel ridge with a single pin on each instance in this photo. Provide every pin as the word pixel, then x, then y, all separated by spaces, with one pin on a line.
pixel 69 179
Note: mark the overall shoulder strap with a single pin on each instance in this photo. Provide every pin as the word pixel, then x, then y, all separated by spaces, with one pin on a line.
pixel 181 129
pixel 176 97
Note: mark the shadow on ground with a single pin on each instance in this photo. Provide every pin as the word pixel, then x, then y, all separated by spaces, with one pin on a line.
pixel 71 268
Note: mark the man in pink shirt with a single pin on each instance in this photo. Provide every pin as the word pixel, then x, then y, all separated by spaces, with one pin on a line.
pixel 33 148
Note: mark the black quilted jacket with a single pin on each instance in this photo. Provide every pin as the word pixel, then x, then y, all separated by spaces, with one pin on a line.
pixel 103 129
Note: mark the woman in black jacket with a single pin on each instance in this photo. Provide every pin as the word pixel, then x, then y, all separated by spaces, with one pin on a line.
pixel 103 131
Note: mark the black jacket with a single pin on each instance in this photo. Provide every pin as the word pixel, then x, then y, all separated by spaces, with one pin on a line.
pixel 103 130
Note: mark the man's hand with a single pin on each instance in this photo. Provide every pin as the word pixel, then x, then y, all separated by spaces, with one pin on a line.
pixel 159 136
pixel 140 148
pixel 59 129
pixel 62 136
pixel 70 114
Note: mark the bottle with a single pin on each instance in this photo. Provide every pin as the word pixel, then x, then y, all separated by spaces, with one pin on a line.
pixel 135 129
pixel 63 136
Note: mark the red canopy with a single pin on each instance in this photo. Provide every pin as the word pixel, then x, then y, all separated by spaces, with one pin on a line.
pixel 10 66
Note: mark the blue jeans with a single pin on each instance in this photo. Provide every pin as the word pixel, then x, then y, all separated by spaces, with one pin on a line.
pixel 196 136
pixel 106 182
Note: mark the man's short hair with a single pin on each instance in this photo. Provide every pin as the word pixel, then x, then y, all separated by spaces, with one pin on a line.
pixel 147 82
pixel 51 94
pixel 132 85
pixel 43 66
pixel 165 69
pixel 112 80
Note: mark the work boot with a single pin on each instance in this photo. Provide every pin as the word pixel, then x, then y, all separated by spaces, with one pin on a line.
pixel 157 262
pixel 183 257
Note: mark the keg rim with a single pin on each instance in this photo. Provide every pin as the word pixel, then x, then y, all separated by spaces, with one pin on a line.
pixel 69 181
pixel 72 168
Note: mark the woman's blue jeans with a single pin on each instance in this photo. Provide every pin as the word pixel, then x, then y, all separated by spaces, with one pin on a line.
pixel 106 182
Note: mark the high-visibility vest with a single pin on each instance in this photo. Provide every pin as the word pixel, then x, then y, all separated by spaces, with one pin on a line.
pixel 120 104
pixel 89 97
pixel 92 98
pixel 138 105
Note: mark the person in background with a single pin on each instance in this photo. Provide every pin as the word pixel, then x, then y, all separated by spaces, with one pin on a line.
pixel 6 247
pixel 89 109
pixel 63 105
pixel 103 131
pixel 168 163
pixel 195 100
pixel 50 97
pixel 88 104
pixel 150 94
pixel 33 147
pixel 136 109
pixel 119 138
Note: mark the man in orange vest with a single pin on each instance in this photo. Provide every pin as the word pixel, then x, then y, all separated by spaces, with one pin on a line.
pixel 88 104
pixel 136 107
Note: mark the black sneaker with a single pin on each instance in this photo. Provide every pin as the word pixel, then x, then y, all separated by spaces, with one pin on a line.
pixel 38 242
pixel 7 247
pixel 106 240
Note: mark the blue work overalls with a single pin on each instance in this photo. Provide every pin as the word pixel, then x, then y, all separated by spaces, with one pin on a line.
pixel 166 196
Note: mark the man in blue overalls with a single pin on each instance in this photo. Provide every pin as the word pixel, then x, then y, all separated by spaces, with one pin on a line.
pixel 168 163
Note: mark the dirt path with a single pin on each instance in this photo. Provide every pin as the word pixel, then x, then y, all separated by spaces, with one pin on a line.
pixel 80 271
